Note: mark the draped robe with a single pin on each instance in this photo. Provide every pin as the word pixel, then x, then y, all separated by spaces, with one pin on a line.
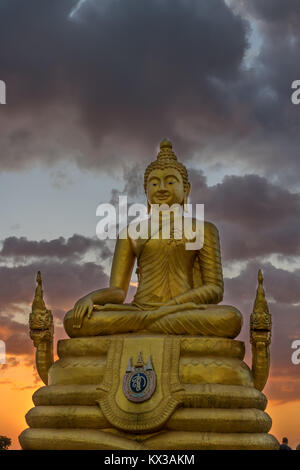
pixel 177 293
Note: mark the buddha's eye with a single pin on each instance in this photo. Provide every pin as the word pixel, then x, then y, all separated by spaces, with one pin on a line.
pixel 171 182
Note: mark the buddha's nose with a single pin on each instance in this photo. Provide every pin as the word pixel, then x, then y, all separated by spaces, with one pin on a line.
pixel 162 188
pixel 162 192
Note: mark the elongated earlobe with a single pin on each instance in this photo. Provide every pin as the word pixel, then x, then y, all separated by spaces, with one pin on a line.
pixel 148 208
pixel 185 201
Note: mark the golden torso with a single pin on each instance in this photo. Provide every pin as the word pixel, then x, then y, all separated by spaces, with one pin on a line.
pixel 165 269
pixel 170 268
pixel 178 291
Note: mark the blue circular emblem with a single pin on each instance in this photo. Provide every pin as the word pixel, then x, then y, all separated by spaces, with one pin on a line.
pixel 138 382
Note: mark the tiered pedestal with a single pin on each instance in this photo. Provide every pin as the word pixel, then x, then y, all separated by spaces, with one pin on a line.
pixel 204 398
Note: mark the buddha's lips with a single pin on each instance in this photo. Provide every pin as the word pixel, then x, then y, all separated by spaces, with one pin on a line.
pixel 163 198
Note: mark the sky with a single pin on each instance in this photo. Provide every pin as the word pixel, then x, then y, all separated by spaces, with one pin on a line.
pixel 92 88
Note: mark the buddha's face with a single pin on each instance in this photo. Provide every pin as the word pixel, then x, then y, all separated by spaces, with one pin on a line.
pixel 165 187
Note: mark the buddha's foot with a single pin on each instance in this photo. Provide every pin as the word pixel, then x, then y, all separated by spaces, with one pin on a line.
pixel 215 320
pixel 209 320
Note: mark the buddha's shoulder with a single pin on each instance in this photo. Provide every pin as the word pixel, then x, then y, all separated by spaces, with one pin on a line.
pixel 210 227
pixel 211 233
pixel 205 225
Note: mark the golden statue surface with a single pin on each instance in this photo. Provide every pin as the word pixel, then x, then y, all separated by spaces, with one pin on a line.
pixel 163 372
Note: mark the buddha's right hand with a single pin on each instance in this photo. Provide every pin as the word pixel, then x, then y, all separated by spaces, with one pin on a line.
pixel 82 307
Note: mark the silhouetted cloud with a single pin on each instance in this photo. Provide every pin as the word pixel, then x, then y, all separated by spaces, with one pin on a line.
pixel 113 78
pixel 255 218
pixel 73 248
pixel 104 86
pixel 64 282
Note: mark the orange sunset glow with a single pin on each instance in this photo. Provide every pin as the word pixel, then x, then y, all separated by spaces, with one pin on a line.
pixel 16 400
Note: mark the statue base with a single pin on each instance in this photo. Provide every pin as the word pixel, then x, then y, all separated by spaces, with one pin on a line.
pixel 149 392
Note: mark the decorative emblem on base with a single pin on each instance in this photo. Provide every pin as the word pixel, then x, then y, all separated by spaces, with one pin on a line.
pixel 131 410
pixel 139 382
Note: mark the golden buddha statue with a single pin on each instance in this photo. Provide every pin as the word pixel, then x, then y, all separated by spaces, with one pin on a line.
pixel 178 289
pixel 163 372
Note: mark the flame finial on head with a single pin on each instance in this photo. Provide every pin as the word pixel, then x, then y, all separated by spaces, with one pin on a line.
pixel 165 143
pixel 166 152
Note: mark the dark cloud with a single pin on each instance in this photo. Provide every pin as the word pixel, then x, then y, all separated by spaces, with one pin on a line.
pixel 104 86
pixel 65 279
pixel 64 282
pixel 16 337
pixel 282 285
pixel 255 218
pixel 119 74
pixel 273 138
pixel 73 248
pixel 19 344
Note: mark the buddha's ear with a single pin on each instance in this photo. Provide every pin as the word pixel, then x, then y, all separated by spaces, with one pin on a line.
pixel 186 194
pixel 148 208
pixel 188 189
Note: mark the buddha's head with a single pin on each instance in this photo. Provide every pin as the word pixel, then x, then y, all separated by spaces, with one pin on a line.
pixel 166 179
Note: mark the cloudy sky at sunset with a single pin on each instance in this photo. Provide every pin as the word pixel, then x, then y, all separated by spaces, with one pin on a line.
pixel 92 88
